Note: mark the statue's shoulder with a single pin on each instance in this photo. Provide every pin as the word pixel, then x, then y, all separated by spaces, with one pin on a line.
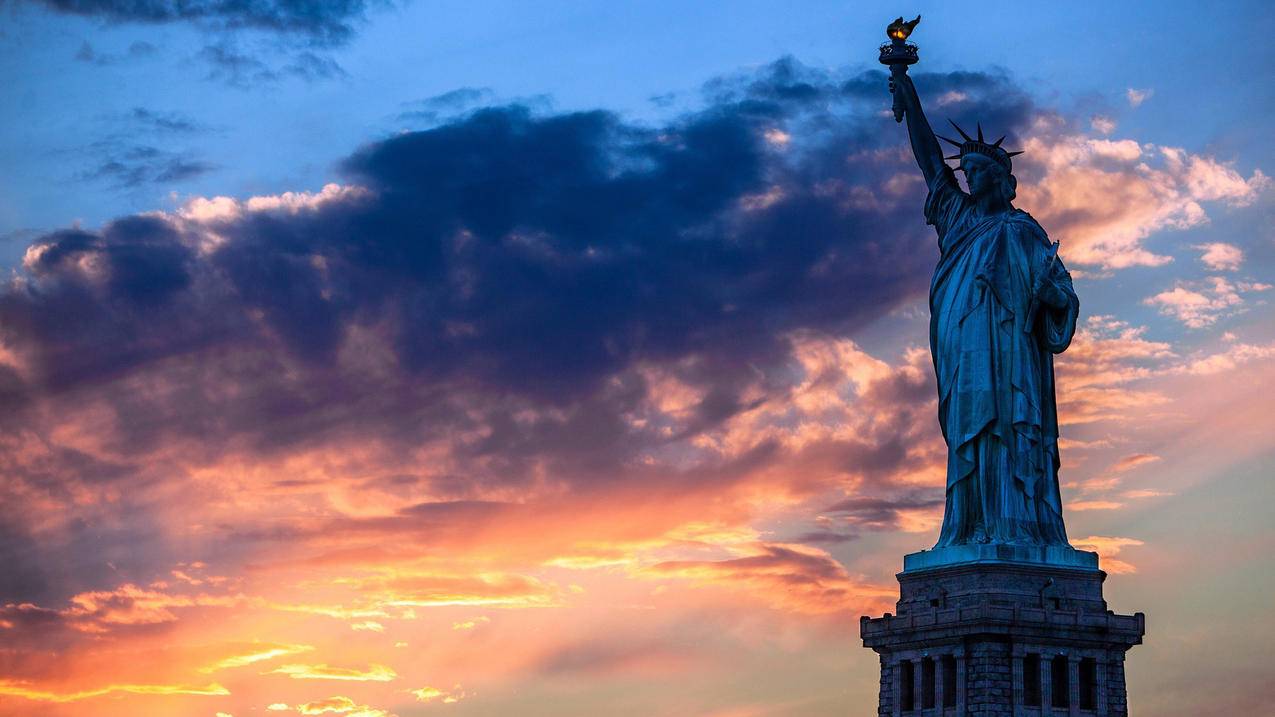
pixel 1026 223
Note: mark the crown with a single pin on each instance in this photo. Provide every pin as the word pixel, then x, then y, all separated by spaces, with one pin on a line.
pixel 980 146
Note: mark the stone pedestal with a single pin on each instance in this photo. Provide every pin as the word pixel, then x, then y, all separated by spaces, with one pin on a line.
pixel 1002 630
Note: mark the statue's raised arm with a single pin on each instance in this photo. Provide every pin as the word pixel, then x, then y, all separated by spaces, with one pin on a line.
pixel 925 145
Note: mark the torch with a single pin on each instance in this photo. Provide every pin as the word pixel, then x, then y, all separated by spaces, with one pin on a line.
pixel 898 53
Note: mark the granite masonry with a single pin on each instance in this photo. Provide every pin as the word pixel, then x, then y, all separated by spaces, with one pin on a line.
pixel 998 630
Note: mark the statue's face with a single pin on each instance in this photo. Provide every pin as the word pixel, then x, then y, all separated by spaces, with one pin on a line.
pixel 981 174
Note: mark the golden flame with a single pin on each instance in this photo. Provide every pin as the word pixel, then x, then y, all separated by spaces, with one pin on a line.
pixel 899 29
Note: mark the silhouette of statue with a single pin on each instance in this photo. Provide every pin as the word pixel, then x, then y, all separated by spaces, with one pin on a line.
pixel 1001 304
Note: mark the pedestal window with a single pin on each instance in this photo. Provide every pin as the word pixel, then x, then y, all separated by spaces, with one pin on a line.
pixel 1059 683
pixel 1031 680
pixel 1088 684
pixel 927 683
pixel 907 697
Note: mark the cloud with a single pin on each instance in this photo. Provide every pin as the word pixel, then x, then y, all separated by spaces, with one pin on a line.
pixel 159 121
pixel 1229 359
pixel 891 513
pixel 1107 548
pixel 139 49
pixel 232 66
pixel 18 689
pixel 1137 97
pixel 268 311
pixel 342 706
pixel 259 653
pixel 1083 505
pixel 328 23
pixel 447 106
pixel 1134 460
pixel 313 67
pixel 1201 304
pixel 1101 198
pixel 1102 124
pixel 1102 374
pixel 129 167
pixel 374 673
pixel 1220 256
pixel 789 577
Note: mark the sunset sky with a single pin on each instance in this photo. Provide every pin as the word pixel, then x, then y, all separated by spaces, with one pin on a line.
pixel 569 358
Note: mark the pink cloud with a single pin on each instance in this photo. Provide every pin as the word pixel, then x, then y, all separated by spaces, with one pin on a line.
pixel 1102 198
pixel 1136 96
pixel 1220 256
pixel 1200 304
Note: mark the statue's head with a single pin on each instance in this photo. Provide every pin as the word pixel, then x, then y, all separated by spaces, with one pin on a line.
pixel 985 176
pixel 987 166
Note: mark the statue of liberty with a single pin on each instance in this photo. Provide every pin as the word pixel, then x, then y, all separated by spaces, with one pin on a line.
pixel 1001 305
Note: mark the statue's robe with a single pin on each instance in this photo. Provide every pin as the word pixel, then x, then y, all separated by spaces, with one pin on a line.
pixel 995 380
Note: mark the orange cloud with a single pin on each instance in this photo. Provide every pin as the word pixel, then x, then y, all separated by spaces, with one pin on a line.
pixel 1135 460
pixel 131 605
pixel 17 689
pixel 342 706
pixel 1107 548
pixel 429 694
pixel 374 673
pixel 261 654
pixel 1080 505
pixel 788 577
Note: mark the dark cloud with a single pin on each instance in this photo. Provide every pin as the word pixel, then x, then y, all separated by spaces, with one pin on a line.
pixel 136 51
pixel 544 255
pixel 500 284
pixel 158 121
pixel 825 537
pixel 130 167
pixel 331 22
pixel 229 63
pixel 313 67
pixel 448 105
pixel 882 513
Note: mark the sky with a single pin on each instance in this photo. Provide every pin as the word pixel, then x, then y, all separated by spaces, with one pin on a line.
pixel 570 358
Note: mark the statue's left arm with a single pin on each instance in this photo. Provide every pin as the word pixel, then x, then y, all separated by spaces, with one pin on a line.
pixel 1059 307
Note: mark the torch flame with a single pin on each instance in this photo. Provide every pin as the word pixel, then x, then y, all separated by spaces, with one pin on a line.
pixel 899 30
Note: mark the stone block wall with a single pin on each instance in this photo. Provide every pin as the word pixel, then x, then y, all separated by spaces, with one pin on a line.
pixel 987 621
pixel 989 678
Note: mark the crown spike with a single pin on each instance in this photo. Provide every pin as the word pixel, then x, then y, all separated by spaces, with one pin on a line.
pixel 1014 154
pixel 958 129
pixel 997 143
pixel 980 130
pixel 952 142
pixel 957 157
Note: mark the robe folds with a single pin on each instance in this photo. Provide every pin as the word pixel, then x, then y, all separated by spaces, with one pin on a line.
pixel 996 379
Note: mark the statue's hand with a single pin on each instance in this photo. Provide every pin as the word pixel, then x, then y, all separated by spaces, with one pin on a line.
pixel 902 87
pixel 1050 294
